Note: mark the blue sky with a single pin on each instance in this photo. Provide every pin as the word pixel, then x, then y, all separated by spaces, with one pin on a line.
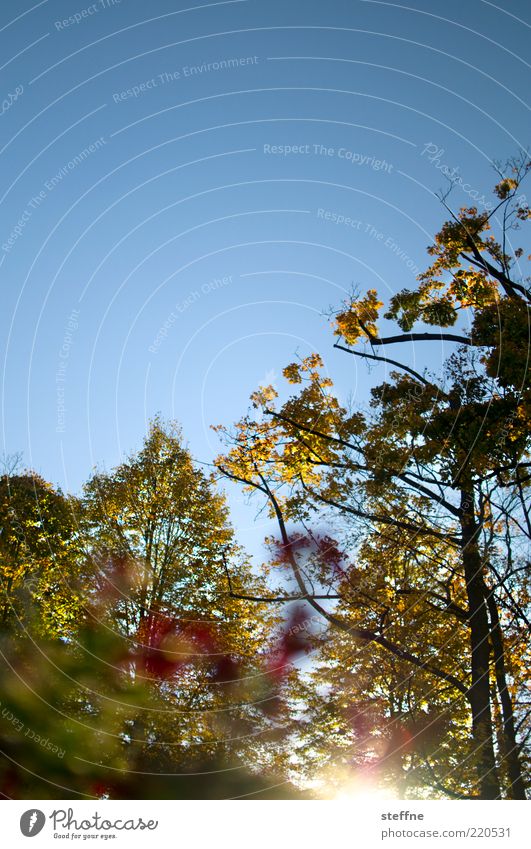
pixel 186 188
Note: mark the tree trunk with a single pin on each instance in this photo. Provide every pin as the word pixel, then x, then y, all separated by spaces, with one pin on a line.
pixel 479 692
pixel 516 789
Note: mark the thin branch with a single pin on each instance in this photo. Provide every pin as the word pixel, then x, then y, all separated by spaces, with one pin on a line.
pixel 364 634
pixel 511 467
pixel 450 606
pixel 267 599
pixel 438 784
pixel 386 520
pixel 281 599
pixel 365 355
pixel 439 499
pixel 313 432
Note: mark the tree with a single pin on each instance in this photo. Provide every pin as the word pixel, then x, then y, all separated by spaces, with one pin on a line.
pixel 473 275
pixel 476 275
pixel 160 544
pixel 39 556
pixel 437 462
pixel 165 684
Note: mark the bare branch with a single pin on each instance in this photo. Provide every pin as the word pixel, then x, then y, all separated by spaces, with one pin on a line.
pixel 365 355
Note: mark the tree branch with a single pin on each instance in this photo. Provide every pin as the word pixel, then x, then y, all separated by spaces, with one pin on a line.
pixel 363 634
pixel 313 432
pixel 365 355
pixel 281 599
pixel 421 337
pixel 386 520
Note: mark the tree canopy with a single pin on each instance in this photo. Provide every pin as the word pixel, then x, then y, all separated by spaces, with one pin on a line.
pixel 427 493
pixel 385 639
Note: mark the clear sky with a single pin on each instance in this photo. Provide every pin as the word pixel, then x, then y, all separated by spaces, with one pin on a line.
pixel 185 189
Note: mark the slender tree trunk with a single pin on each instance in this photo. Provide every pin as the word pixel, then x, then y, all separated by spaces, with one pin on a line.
pixel 8 606
pixel 479 693
pixel 516 789
pixel 148 572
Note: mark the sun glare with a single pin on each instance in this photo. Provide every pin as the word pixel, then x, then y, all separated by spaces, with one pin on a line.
pixel 358 792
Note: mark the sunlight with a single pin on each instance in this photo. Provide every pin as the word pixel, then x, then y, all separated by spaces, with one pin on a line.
pixel 357 791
